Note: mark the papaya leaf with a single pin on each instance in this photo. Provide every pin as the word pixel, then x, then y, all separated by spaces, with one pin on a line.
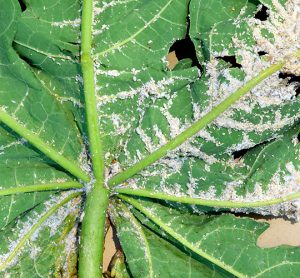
pixel 94 124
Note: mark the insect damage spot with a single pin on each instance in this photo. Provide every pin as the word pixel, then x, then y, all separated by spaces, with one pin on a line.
pixel 185 49
pixel 262 53
pixel 292 79
pixel 231 60
pixel 22 5
pixel 241 153
pixel 262 14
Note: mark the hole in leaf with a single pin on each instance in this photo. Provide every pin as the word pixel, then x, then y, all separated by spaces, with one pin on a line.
pixel 22 5
pixel 262 14
pixel 262 53
pixel 291 79
pixel 185 49
pixel 231 60
pixel 239 154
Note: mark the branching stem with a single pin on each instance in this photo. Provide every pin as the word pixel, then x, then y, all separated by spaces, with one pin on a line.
pixel 93 224
pixel 87 66
pixel 92 233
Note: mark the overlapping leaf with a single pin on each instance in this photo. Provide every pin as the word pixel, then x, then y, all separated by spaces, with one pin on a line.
pixel 150 255
pixel 225 240
pixel 212 24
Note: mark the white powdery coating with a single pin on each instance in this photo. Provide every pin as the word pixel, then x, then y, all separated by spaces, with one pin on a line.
pixel 246 126
pixel 278 187
pixel 114 169
pixel 272 91
pixel 103 28
pixel 174 164
pixel 89 185
pixel 67 23
pixel 120 128
pixel 12 144
pixel 152 88
pixel 187 149
pixel 174 123
pixel 208 137
pixel 70 248
pixel 22 231
pixel 146 139
pixel 103 6
pixel 284 24
pixel 245 144
pixel 159 134
pixel 112 73
pixel 158 89
pixel 35 251
pixel 53 222
pixel 175 190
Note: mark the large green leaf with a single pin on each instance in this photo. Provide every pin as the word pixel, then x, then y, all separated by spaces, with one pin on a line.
pixel 225 240
pixel 246 160
pixel 205 168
